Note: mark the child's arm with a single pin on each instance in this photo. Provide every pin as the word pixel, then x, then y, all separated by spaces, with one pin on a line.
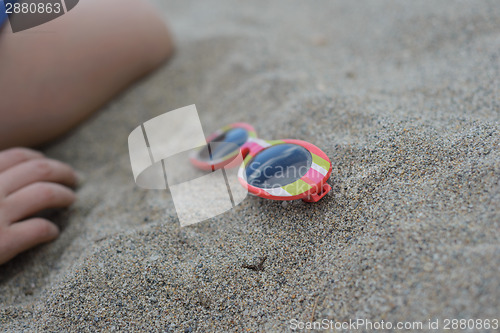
pixel 52 78
pixel 55 75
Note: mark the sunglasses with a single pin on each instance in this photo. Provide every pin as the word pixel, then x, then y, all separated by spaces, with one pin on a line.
pixel 272 169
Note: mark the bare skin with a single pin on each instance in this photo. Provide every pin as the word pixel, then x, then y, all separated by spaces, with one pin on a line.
pixel 30 182
pixel 52 78
pixel 57 74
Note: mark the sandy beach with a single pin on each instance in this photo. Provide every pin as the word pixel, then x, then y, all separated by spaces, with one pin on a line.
pixel 403 97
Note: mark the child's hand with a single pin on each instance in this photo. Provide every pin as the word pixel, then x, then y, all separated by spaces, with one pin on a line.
pixel 30 182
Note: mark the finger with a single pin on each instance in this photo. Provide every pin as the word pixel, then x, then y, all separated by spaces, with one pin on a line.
pixel 26 234
pixel 36 197
pixel 13 156
pixel 36 170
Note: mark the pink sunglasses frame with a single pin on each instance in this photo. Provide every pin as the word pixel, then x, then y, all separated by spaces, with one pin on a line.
pixel 310 188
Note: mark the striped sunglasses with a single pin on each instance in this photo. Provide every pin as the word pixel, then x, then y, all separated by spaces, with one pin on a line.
pixel 272 169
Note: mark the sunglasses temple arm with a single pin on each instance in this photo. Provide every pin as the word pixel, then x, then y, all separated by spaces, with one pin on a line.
pixel 315 197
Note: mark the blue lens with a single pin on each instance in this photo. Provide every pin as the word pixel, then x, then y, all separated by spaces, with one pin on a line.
pixel 236 136
pixel 278 165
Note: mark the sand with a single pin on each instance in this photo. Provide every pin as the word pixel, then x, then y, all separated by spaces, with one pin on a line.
pixel 404 99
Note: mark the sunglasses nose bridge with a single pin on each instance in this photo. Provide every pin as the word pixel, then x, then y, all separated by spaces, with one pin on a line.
pixel 245 150
pixel 253 146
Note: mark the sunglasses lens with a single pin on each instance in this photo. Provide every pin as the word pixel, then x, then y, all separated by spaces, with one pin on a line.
pixel 278 166
pixel 236 136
